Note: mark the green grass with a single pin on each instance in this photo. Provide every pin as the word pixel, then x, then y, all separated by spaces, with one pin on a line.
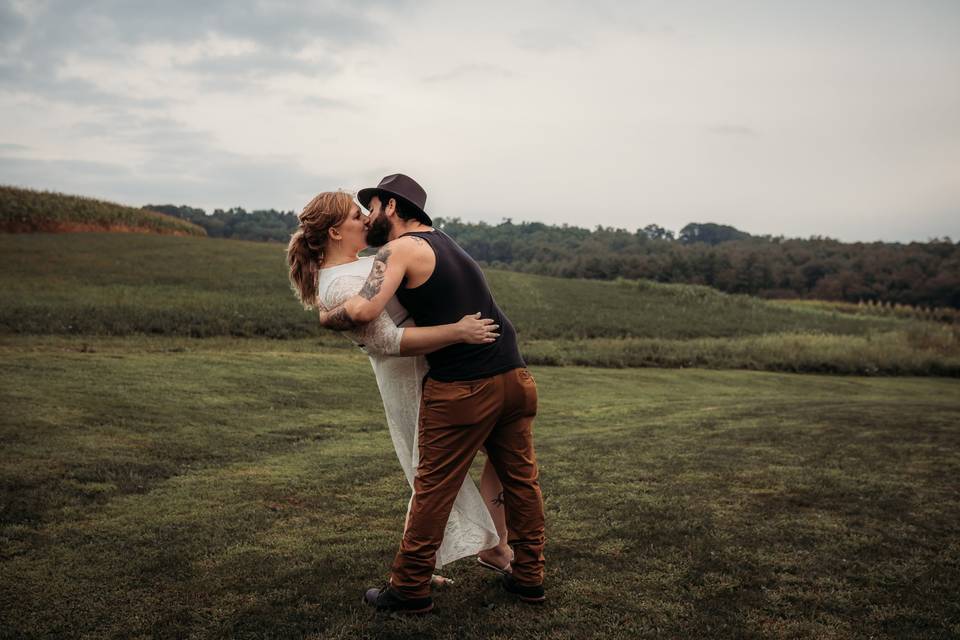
pixel 26 210
pixel 155 484
pixel 926 349
pixel 939 314
pixel 166 487
pixel 113 284
pixel 123 284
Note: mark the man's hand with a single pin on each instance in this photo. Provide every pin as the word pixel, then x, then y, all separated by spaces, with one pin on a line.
pixel 476 330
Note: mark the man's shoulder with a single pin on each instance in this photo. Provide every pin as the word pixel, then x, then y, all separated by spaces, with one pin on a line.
pixel 409 244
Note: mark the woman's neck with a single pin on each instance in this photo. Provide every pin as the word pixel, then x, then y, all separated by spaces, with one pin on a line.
pixel 335 258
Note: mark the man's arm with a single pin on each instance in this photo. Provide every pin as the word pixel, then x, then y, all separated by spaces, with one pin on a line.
pixel 389 268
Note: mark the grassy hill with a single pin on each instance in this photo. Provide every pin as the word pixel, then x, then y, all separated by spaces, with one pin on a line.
pixel 25 210
pixel 104 284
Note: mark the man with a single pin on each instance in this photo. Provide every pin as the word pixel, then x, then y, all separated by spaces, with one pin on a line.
pixel 475 395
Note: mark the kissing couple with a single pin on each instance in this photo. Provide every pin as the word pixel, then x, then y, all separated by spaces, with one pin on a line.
pixel 451 378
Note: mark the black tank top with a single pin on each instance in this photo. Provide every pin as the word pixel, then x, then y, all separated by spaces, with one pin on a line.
pixel 454 289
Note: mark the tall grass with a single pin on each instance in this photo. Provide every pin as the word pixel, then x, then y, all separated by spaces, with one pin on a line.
pixel 547 307
pixel 923 350
pixel 117 285
pixel 881 309
pixel 26 210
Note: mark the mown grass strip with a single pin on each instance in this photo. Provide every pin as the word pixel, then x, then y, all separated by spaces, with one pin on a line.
pixel 221 493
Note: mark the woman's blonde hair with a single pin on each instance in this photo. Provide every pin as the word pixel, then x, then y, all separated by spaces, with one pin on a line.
pixel 305 250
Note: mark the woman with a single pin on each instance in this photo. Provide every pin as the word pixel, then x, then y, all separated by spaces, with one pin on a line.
pixel 325 269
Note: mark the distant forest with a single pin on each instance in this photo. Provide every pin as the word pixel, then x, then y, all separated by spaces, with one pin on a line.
pixel 919 273
pixel 237 224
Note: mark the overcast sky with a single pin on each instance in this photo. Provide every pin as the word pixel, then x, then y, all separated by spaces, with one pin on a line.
pixel 838 118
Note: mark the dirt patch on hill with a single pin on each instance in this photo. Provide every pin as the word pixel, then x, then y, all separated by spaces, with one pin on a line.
pixel 81 227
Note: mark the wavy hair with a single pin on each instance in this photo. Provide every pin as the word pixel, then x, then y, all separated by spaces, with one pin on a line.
pixel 307 244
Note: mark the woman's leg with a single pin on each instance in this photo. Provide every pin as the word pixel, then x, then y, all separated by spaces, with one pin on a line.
pixel 492 492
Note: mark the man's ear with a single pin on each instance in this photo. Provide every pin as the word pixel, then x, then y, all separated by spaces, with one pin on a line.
pixel 391 207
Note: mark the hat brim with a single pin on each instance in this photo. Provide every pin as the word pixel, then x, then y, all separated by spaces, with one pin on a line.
pixel 364 196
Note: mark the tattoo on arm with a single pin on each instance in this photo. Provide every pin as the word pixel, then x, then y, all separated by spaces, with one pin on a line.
pixel 338 320
pixel 375 280
pixel 498 500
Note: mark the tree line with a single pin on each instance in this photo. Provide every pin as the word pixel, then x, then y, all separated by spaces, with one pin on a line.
pixel 719 256
pixel 264 225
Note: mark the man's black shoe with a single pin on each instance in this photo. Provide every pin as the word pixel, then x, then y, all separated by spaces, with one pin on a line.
pixel 533 595
pixel 388 599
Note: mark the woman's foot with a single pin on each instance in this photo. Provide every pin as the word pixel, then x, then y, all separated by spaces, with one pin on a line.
pixel 498 558
pixel 438 582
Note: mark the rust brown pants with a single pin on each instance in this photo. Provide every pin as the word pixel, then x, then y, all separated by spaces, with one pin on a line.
pixel 456 419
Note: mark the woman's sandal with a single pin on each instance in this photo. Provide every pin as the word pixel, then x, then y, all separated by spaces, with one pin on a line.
pixel 502 570
pixel 505 570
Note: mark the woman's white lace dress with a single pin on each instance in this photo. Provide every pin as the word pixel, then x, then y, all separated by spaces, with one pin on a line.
pixel 470 528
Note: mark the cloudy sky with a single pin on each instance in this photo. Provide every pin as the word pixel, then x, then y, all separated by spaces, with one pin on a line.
pixel 838 118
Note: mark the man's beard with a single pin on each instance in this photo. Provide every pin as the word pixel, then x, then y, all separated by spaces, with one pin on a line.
pixel 379 232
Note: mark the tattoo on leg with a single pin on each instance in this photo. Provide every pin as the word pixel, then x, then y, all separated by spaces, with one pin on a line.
pixel 375 280
pixel 498 500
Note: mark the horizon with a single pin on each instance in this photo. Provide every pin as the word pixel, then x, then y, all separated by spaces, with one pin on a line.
pixel 779 119
pixel 635 230
pixel 511 220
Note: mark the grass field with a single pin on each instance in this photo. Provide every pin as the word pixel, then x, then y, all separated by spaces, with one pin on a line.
pixel 186 455
pixel 169 488
pixel 110 284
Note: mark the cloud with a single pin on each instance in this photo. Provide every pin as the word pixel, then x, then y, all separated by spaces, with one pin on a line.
pixel 247 65
pixel 198 98
pixel 26 78
pixel 273 25
pixel 546 41
pixel 160 136
pixel 472 70
pixel 38 48
pixel 209 179
pixel 11 22
pixel 236 71
pixel 67 175
pixel 322 103
pixel 175 162
pixel 732 130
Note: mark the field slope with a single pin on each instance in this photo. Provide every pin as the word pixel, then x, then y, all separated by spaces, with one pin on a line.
pixel 105 284
pixel 26 210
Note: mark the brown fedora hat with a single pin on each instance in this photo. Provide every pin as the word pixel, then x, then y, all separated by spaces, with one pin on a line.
pixel 405 189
